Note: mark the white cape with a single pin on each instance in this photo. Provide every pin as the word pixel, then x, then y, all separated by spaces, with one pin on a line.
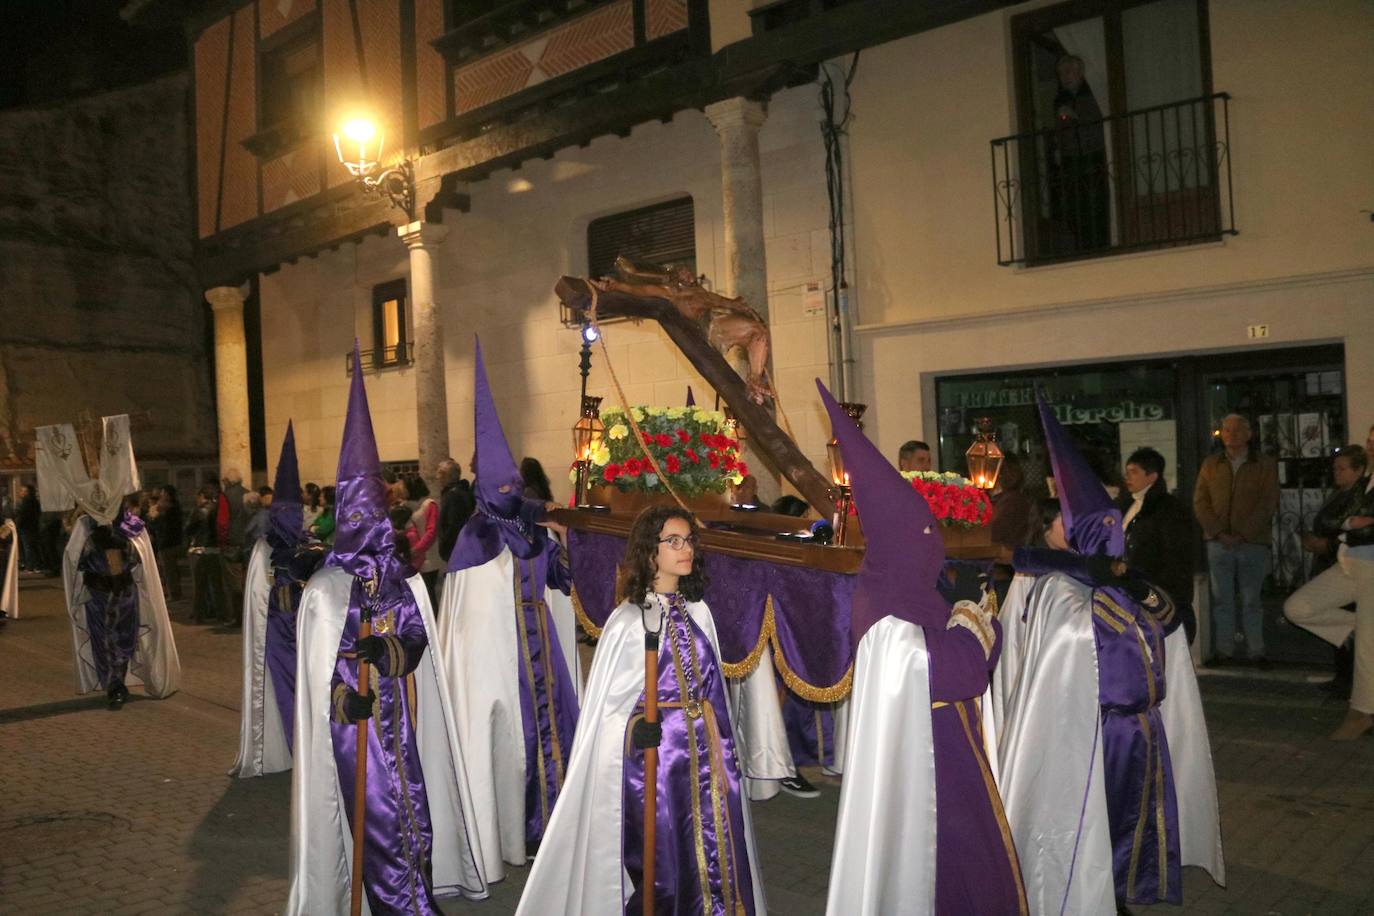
pixel 884 858
pixel 155 664
pixel 760 733
pixel 262 734
pixel 321 841
pixel 1042 726
pixel 1195 780
pixel 9 576
pixel 480 652
pixel 578 871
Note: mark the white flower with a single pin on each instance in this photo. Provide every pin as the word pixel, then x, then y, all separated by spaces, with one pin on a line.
pixel 675 412
pixel 601 455
pixel 637 414
pixel 618 431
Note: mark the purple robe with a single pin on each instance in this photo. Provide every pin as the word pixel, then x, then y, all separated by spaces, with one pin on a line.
pixel 112 606
pixel 398 838
pixel 548 698
pixel 700 815
pixel 1142 810
pixel 976 866
pixel 291 568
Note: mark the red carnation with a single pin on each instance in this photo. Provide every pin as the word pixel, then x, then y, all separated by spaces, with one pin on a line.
pixel 692 456
pixel 648 438
pixel 743 469
pixel 611 472
pixel 631 467
pixel 672 464
pixel 714 460
pixel 663 440
pixel 684 436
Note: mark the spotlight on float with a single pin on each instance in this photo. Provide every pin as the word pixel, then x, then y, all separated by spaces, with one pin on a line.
pixel 589 334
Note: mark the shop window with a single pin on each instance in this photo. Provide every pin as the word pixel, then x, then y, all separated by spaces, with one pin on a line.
pixel 289 79
pixel 390 332
pixel 1119 145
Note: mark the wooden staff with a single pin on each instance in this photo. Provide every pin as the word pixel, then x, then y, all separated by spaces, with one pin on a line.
pixel 355 905
pixel 650 771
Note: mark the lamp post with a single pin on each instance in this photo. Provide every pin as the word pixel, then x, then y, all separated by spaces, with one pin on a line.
pixel 984 456
pixel 839 475
pixel 587 433
pixel 589 336
pixel 358 143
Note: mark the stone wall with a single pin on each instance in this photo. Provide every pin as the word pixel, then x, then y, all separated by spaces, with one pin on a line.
pixel 99 305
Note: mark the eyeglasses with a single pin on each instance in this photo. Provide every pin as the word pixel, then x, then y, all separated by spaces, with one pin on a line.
pixel 678 542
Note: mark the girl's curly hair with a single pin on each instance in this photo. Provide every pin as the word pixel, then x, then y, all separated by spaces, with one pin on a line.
pixel 636 578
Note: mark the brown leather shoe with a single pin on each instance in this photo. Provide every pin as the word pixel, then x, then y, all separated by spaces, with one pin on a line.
pixel 1356 724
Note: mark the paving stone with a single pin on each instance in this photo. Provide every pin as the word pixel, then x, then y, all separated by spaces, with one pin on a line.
pixel 146 787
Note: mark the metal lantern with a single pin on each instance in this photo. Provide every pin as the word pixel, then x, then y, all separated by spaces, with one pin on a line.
pixel 587 434
pixel 984 457
pixel 839 475
pixel 358 143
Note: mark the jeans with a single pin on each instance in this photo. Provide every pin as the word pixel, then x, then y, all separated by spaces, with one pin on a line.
pixel 1246 564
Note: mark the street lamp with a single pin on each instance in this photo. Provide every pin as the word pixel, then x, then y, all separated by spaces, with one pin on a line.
pixel 359 143
pixel 839 474
pixel 984 456
pixel 587 433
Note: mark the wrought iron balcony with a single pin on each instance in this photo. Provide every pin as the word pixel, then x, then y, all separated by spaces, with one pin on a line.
pixel 1152 178
pixel 382 358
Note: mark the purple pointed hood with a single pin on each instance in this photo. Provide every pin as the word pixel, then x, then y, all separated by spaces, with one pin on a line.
pixel 691 398
pixel 1091 522
pixel 286 515
pixel 504 517
pixel 904 552
pixel 364 545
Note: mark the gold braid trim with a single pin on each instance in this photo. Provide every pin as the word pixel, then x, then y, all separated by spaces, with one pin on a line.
pixel 582 619
pixel 767 633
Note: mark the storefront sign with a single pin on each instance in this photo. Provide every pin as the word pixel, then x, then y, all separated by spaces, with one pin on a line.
pixel 1122 412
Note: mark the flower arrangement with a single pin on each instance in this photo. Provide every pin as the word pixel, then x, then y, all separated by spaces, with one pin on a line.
pixel 697 452
pixel 953 499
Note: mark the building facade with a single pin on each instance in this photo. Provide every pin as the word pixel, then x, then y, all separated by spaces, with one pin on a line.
pixel 1156 209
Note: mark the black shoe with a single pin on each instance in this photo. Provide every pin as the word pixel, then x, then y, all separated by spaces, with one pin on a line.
pixel 1338 687
pixel 798 786
pixel 116 696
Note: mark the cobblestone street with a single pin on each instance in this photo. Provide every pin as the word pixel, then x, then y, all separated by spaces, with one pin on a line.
pixel 131 812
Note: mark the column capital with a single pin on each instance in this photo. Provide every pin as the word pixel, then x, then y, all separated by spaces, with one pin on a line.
pixel 225 297
pixel 736 112
pixel 421 234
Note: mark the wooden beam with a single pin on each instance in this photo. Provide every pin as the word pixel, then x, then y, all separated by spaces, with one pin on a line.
pixel 764 433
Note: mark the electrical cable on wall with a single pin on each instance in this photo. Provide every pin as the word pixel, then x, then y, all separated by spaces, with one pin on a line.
pixel 833 131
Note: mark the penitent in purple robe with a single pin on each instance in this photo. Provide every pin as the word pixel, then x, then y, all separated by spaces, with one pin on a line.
pixel 1142 809
pixel 398 837
pixel 976 866
pixel 700 814
pixel 112 605
pixel 548 700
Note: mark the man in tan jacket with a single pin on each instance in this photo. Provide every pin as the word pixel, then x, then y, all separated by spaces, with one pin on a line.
pixel 1235 498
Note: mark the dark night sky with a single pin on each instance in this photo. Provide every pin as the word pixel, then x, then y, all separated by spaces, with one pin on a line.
pixel 52 50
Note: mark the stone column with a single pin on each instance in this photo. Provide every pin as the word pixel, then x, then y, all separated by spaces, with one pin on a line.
pixel 737 122
pixel 231 379
pixel 431 392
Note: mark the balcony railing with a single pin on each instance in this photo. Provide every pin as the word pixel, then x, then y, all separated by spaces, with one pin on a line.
pixel 382 358
pixel 1151 178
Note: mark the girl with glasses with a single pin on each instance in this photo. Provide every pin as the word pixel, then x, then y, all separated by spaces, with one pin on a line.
pixel 591 860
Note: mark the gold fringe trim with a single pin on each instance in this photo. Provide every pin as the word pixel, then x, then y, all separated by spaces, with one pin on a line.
pixel 768 634
pixel 582 619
